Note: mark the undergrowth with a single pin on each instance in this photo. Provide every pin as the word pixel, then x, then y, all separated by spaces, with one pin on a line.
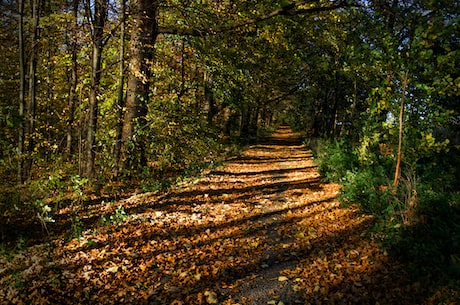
pixel 419 220
pixel 30 211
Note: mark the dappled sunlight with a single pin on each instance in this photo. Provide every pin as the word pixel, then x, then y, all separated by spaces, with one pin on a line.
pixel 245 233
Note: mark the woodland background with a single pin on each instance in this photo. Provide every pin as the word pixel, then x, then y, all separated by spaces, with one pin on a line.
pixel 103 97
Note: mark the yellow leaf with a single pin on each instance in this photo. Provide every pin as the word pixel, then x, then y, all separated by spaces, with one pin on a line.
pixel 282 279
pixel 112 269
pixel 211 297
pixel 300 235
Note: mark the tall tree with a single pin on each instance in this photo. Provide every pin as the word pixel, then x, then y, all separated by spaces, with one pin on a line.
pixel 27 102
pixel 120 104
pixel 22 92
pixel 73 77
pixel 97 17
pixel 144 31
pixel 32 95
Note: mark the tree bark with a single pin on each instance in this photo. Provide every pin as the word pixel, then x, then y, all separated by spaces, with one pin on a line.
pixel 22 92
pixel 143 37
pixel 97 28
pixel 254 123
pixel 32 95
pixel 73 79
pixel 120 105
pixel 209 98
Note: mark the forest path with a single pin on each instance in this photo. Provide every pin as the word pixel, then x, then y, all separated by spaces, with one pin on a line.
pixel 262 229
pixel 268 231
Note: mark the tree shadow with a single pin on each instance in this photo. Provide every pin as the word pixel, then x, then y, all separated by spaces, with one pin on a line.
pixel 174 200
pixel 278 172
pixel 233 271
pixel 174 252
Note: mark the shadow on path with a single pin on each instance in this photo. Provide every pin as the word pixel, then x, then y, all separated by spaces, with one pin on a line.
pixel 260 230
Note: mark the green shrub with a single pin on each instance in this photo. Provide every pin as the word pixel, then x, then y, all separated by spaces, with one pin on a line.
pixel 367 187
pixel 336 159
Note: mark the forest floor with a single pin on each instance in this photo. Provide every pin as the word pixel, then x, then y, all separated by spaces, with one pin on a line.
pixel 261 229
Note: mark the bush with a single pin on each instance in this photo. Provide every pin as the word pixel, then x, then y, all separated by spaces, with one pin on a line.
pixel 362 184
pixel 367 187
pixel 419 220
pixel 335 159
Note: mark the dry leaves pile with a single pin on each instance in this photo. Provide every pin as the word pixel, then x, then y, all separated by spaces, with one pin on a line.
pixel 262 229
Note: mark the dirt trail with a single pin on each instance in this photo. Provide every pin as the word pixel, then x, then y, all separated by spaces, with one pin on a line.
pixel 260 230
pixel 281 236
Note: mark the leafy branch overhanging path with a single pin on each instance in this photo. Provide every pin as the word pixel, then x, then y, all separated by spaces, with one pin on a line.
pixel 263 229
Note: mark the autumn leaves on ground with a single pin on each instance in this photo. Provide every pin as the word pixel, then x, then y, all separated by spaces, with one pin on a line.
pixel 262 229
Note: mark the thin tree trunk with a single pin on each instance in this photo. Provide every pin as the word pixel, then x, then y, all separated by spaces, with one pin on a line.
pixel 209 98
pixel 22 93
pixel 98 23
pixel 254 123
pixel 73 81
pixel 401 123
pixel 32 101
pixel 245 121
pixel 182 71
pixel 120 97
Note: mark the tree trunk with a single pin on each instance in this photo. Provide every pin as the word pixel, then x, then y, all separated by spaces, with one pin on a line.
pixel 143 37
pixel 254 123
pixel 22 93
pixel 245 121
pixel 401 123
pixel 73 79
pixel 120 105
pixel 209 99
pixel 97 28
pixel 32 100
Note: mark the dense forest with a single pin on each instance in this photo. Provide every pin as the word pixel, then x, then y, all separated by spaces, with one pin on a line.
pixel 105 98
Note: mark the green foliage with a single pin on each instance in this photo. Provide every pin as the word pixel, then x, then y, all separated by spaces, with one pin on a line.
pixel 115 218
pixel 367 187
pixel 179 141
pixel 78 184
pixel 76 227
pixel 335 159
pixel 44 214
pixel 119 215
pixel 433 242
pixel 420 219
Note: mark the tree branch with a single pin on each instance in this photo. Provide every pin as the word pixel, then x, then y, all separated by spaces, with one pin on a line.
pixel 287 10
pixel 282 96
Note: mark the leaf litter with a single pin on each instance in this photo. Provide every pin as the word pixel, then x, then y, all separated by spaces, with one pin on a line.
pixel 262 229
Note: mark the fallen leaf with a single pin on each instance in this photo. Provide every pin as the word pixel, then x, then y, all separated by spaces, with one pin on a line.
pixel 112 269
pixel 211 297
